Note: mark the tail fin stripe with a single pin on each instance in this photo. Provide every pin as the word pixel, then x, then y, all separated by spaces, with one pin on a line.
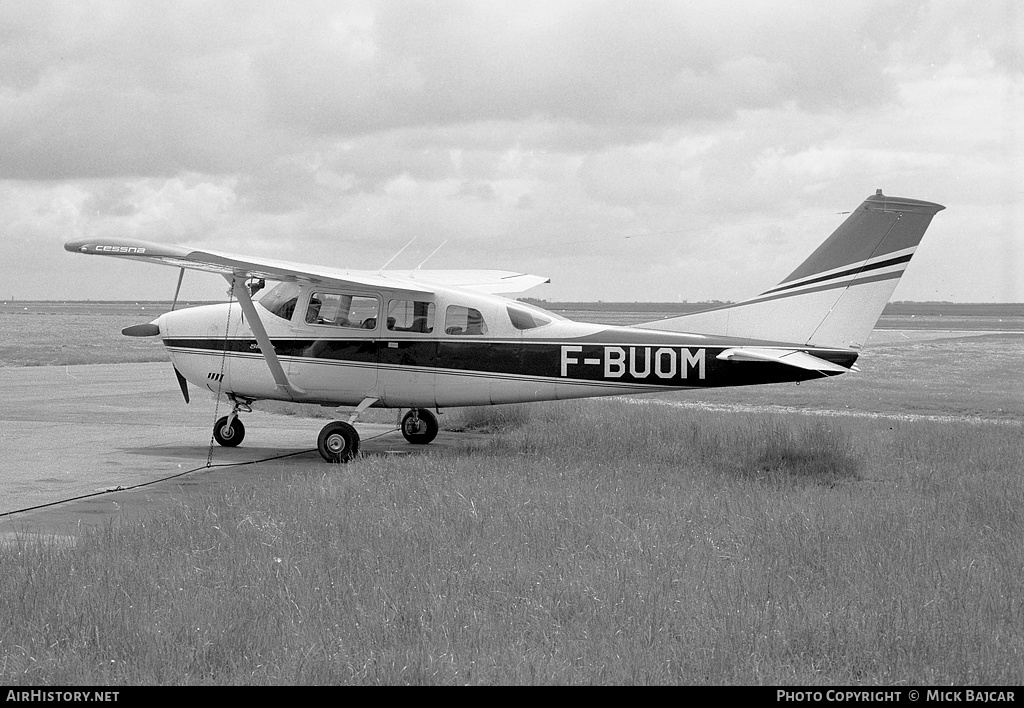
pixel 830 286
pixel 850 271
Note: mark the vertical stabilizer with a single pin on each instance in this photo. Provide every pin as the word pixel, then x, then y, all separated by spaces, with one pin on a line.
pixel 835 297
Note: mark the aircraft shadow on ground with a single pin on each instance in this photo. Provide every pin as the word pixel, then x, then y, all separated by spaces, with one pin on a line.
pixel 191 453
pixel 196 454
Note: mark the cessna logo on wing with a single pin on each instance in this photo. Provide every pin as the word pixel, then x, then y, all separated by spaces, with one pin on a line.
pixel 637 362
pixel 112 249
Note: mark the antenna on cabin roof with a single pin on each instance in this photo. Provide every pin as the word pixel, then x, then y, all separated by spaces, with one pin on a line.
pixel 431 255
pixel 398 254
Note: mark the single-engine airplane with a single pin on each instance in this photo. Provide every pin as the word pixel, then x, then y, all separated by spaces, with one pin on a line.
pixel 425 339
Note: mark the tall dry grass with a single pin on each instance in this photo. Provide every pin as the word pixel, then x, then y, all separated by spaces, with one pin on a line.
pixel 596 542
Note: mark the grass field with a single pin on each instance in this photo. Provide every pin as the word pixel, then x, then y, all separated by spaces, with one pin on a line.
pixel 861 530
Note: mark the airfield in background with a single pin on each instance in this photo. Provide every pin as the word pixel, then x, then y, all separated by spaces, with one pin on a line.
pixel 1001 317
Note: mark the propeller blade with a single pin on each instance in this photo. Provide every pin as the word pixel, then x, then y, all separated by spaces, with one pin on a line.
pixel 183 383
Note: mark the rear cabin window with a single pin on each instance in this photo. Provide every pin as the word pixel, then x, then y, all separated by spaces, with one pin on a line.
pixel 339 310
pixel 280 300
pixel 464 320
pixel 410 316
pixel 526 319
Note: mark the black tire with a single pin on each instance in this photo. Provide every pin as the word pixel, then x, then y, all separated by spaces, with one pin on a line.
pixel 338 442
pixel 423 433
pixel 229 436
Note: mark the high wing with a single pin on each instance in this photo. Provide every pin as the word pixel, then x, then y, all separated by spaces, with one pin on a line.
pixel 231 265
pixel 482 281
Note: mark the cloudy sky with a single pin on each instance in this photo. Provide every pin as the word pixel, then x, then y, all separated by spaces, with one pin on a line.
pixel 628 150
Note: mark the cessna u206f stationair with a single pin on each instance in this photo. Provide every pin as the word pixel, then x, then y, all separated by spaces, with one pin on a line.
pixel 430 339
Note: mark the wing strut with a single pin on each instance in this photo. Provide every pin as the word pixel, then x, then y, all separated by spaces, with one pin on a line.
pixel 177 290
pixel 266 348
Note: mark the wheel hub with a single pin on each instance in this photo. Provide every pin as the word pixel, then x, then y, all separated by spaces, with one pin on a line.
pixel 336 443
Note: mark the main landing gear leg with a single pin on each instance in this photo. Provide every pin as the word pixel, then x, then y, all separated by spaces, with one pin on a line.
pixel 338 442
pixel 419 426
pixel 229 431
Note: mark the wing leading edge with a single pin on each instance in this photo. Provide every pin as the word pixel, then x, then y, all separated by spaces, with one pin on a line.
pixel 227 264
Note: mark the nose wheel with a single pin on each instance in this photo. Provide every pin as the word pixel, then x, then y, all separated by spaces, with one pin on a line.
pixel 229 431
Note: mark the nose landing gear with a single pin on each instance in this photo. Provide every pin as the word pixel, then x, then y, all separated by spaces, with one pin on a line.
pixel 229 431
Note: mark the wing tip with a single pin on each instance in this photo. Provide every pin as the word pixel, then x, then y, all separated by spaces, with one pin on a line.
pixel 124 247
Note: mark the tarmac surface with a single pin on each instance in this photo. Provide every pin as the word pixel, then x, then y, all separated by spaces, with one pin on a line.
pixel 79 431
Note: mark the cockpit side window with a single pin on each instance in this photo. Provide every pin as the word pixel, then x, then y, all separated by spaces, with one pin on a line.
pixel 341 310
pixel 280 300
pixel 464 320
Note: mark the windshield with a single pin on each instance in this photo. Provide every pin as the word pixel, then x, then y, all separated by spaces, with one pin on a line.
pixel 281 299
pixel 527 318
pixel 538 312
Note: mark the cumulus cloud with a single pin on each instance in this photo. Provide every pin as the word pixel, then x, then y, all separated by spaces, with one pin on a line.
pixel 543 136
pixel 128 88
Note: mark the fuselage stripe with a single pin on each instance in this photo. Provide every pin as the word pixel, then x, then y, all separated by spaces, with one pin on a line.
pixel 607 365
pixel 427 370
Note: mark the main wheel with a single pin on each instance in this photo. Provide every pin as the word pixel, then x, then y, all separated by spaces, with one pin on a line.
pixel 229 435
pixel 338 442
pixel 419 429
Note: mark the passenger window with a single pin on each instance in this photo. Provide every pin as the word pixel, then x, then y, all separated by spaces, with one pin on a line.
pixel 526 319
pixel 410 316
pixel 337 310
pixel 464 320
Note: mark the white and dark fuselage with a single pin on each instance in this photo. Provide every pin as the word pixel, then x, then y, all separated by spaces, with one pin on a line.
pixel 432 339
pixel 452 348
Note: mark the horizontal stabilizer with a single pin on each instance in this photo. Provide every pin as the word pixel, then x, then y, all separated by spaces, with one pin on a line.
pixel 789 357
